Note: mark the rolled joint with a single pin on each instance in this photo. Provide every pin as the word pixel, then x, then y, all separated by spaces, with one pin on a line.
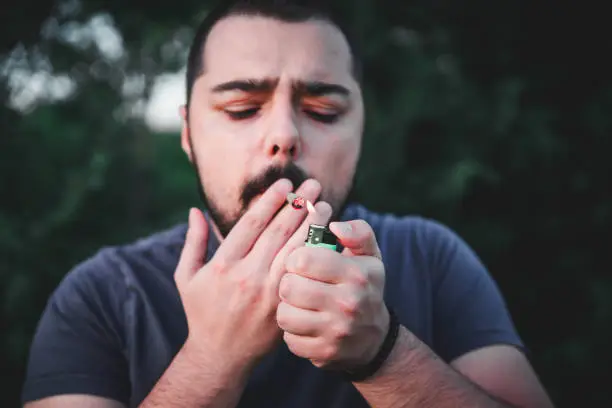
pixel 299 202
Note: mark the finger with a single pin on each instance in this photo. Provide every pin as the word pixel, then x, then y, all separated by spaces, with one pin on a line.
pixel 308 347
pixel 320 217
pixel 370 269
pixel 320 264
pixel 244 234
pixel 298 321
pixel 357 237
pixel 284 225
pixel 305 293
pixel 193 254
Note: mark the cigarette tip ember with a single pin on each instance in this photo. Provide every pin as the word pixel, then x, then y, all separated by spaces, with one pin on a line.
pixel 296 201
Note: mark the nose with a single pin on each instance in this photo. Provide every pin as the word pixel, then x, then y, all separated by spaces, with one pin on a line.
pixel 282 140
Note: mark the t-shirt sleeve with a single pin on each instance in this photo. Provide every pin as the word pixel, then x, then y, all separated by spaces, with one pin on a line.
pixel 77 347
pixel 469 311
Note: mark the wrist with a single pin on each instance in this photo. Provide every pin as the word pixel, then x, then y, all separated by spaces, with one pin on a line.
pixel 223 365
pixel 381 353
pixel 382 334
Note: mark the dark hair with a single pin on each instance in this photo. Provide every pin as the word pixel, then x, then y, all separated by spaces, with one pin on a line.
pixel 292 11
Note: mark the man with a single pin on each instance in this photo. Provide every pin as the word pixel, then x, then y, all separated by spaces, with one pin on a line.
pixel 233 309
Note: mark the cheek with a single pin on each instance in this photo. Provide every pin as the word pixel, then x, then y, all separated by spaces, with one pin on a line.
pixel 222 162
pixel 218 143
pixel 343 161
pixel 333 162
pixel 340 149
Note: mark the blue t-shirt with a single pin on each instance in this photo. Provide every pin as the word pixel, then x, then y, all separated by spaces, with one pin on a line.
pixel 116 321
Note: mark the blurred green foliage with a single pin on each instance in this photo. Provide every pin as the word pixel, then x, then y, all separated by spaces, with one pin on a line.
pixel 493 117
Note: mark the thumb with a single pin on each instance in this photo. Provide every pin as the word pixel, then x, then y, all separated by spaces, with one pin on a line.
pixel 194 251
pixel 357 238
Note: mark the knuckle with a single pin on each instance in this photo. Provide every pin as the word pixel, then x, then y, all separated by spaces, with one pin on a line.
pixel 219 266
pixel 358 276
pixel 318 363
pixel 282 230
pixel 341 331
pixel 254 222
pixel 329 352
pixel 299 259
pixel 350 305
pixel 291 345
pixel 246 284
pixel 285 285
pixel 302 259
pixel 281 316
pixel 361 280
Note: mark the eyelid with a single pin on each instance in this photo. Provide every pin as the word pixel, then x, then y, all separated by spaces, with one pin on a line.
pixel 234 107
pixel 325 107
pixel 326 118
pixel 242 114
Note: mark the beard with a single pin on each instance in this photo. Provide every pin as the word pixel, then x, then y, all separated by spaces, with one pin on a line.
pixel 258 185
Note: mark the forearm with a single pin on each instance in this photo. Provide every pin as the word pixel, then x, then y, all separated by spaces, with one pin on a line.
pixel 200 380
pixel 414 376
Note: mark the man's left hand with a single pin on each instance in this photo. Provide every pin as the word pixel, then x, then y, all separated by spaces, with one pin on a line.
pixel 332 310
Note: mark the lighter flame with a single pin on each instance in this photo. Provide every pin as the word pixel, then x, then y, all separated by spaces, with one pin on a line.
pixel 311 208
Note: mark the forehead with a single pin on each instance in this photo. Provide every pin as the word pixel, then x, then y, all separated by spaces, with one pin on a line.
pixel 261 47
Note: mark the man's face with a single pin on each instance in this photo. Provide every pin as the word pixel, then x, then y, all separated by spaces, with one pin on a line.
pixel 275 100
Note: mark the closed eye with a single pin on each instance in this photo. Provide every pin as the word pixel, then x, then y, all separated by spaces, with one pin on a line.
pixel 242 114
pixel 327 118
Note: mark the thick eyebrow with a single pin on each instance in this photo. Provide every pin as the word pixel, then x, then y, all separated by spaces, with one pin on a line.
pixel 321 89
pixel 245 85
pixel 308 88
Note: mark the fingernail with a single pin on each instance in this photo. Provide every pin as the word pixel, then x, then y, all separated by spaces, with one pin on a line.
pixel 324 209
pixel 284 184
pixel 343 227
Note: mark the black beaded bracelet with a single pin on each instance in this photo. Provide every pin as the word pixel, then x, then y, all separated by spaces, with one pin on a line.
pixel 368 370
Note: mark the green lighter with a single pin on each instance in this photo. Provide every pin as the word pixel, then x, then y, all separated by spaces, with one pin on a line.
pixel 320 236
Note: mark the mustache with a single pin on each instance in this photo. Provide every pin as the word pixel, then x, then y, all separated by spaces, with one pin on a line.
pixel 261 183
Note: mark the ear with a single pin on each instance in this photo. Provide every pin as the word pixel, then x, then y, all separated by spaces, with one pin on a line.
pixel 185 142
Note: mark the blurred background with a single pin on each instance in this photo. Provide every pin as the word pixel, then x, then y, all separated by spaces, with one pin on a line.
pixel 494 117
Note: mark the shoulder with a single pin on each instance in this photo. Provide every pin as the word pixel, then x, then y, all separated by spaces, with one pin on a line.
pixel 112 270
pixel 420 249
pixel 420 238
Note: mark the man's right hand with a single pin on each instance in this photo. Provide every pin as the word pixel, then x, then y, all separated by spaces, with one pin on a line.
pixel 231 302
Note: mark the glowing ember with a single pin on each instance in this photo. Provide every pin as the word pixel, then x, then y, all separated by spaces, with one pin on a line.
pixel 296 201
